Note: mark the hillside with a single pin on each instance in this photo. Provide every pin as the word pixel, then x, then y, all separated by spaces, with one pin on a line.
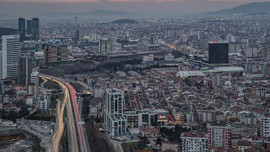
pixel 249 8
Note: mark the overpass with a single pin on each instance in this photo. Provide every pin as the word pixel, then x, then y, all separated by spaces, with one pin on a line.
pixel 76 131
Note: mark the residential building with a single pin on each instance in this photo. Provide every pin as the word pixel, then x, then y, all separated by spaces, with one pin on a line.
pixel 35 82
pixel 149 132
pixel 193 142
pixel 219 135
pixel 54 54
pixel 243 145
pixel 265 128
pixel 104 46
pixel 44 100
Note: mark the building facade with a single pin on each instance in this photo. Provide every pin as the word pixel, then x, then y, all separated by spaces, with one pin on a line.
pixel 25 66
pixel 218 53
pixel 104 46
pixel 9 56
pixel 193 142
pixel 54 54
pixel 21 29
pixel 265 128
pixel 219 136
pixel 114 119
pixel 35 28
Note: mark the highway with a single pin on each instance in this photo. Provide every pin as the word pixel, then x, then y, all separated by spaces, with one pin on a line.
pixel 81 132
pixel 71 126
pixel 75 128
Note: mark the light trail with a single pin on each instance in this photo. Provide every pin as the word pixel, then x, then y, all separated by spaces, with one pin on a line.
pixel 72 129
pixel 72 110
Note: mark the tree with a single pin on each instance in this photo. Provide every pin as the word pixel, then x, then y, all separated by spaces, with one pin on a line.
pixel 158 141
pixel 142 143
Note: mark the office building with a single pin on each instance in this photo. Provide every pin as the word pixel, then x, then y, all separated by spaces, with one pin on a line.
pixel 21 29
pixel 25 66
pixel 114 119
pixel 9 56
pixel 218 53
pixel 219 135
pixel 104 46
pixel 193 142
pixel 54 54
pixel 29 27
pixel 144 118
pixel 265 128
pixel 35 28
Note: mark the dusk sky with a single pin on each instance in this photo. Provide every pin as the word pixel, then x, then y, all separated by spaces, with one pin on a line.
pixel 152 7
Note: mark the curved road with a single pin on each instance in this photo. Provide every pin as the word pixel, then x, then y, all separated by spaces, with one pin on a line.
pixel 71 126
pixel 75 128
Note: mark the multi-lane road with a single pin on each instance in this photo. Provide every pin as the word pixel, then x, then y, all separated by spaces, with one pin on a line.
pixel 77 136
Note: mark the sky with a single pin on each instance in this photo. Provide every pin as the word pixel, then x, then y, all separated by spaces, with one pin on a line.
pixel 38 8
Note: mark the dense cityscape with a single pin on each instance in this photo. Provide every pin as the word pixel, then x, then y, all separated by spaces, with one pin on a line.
pixel 197 83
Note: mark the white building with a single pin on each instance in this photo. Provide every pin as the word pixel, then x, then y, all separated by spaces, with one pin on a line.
pixel 219 135
pixel 114 46
pixel 193 142
pixel 169 57
pixel 35 81
pixel 251 52
pixel 148 58
pixel 44 101
pixel 99 92
pixel 9 56
pixel 94 37
pixel 265 128
pixel 230 38
pixel 114 119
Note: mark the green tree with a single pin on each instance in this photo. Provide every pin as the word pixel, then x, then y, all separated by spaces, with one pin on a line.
pixel 142 143
pixel 158 141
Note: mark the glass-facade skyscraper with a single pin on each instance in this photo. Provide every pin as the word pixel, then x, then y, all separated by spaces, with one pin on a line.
pixel 21 29
pixel 218 53
pixel 35 28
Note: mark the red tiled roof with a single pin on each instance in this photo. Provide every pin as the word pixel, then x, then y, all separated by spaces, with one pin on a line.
pixel 243 143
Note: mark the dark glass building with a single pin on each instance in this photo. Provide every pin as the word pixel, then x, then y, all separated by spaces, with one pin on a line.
pixel 25 66
pixel 35 28
pixel 29 27
pixel 218 53
pixel 21 28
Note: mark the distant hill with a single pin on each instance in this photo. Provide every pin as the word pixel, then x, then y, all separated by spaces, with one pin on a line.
pixel 93 13
pixel 125 21
pixel 108 12
pixel 249 8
